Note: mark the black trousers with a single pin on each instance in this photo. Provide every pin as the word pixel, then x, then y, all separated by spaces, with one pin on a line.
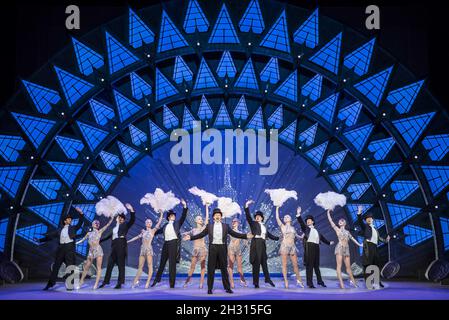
pixel 64 254
pixel 218 258
pixel 117 257
pixel 169 252
pixel 370 256
pixel 259 252
pixel 312 261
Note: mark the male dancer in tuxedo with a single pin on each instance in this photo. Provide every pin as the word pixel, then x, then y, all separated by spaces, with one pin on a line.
pixel 119 249
pixel 258 249
pixel 312 239
pixel 66 245
pixel 171 249
pixel 218 249
pixel 371 239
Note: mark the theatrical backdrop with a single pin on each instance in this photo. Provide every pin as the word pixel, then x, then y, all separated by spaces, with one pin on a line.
pixel 95 120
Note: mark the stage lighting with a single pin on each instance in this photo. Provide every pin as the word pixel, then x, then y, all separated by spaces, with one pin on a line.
pixel 62 114
pixel 416 157
pixel 187 90
pixel 344 80
pixel 102 79
pixel 148 104
pixel 198 44
pixel 249 43
pixel 148 55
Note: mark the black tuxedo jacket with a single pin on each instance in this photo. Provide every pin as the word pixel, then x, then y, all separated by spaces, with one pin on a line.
pixel 306 231
pixel 366 231
pixel 122 228
pixel 227 230
pixel 73 230
pixel 177 224
pixel 255 226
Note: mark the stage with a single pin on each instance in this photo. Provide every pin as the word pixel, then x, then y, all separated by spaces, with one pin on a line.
pixel 394 290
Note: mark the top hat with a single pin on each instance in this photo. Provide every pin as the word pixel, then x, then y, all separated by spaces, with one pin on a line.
pixel 122 215
pixel 259 213
pixel 169 213
pixel 67 216
pixel 311 218
pixel 217 210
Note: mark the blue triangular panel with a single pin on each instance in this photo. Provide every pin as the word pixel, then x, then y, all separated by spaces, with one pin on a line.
pixel 37 129
pixel 169 36
pixel 204 110
pixel 308 33
pixel 270 73
pixel 10 147
pixel 11 178
pixel 139 87
pixel 33 232
pixel 312 89
pixel 3 232
pixel 137 136
pixel 241 110
pixel 164 88
pixel 412 128
pixel 226 66
pixel 66 170
pixel 195 19
pixel 381 148
pixel 437 145
pixel 168 118
pixel 444 223
pixel 247 78
pixel 277 36
pixel 49 212
pixel 358 190
pixel 384 172
pixel 373 87
pixel 403 188
pixel 93 136
pixel 340 179
pixel 401 213
pixel 118 55
pixel 358 136
pixel 276 119
pixel 205 79
pixel 82 248
pixel 181 71
pixel 329 55
pixel 289 88
pixel 326 108
pixel 88 210
pixel 74 88
pixel 42 97
pixel 353 208
pixel 223 31
pixel 70 147
pixel 47 187
pixel 88 190
pixel 437 177
pixel 110 160
pixel 252 19
pixel 139 33
pixel 125 107
pixel 308 136
pixel 256 121
pixel 128 153
pixel 156 134
pixel 350 113
pixel 105 179
pixel 101 112
pixel 415 235
pixel 360 58
pixel 188 119
pixel 316 154
pixel 404 97
pixel 336 160
pixel 87 59
pixel 223 119
pixel 289 133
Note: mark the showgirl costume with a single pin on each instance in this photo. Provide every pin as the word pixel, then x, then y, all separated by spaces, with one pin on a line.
pixel 289 236
pixel 342 247
pixel 234 247
pixel 146 249
pixel 199 245
pixel 95 249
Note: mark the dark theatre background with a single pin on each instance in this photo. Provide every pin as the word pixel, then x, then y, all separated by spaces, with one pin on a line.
pixel 382 150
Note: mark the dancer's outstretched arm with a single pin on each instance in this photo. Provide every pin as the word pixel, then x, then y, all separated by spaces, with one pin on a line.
pixel 133 215
pixel 200 235
pixel 136 237
pixel 359 218
pixel 301 222
pixel 206 221
pixel 158 224
pixel 272 236
pixel 331 221
pixel 247 212
pixel 184 212
pixel 280 224
pixel 355 241
pixel 80 220
pixel 83 239
pixel 107 225
pixel 239 235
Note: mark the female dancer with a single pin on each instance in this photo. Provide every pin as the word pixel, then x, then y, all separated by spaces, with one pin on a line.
pixel 288 247
pixel 235 254
pixel 95 250
pixel 342 248
pixel 146 250
pixel 199 248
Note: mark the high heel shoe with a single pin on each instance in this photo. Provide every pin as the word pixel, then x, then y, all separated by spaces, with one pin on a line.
pixel 300 284
pixel 354 284
pixel 201 286
pixel 95 287
pixel 135 284
pixel 243 283
pixel 147 285
pixel 286 284
pixel 186 284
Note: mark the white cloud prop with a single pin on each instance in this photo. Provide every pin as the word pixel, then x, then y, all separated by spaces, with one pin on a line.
pixel 329 200
pixel 109 207
pixel 160 200
pixel 206 197
pixel 279 196
pixel 228 207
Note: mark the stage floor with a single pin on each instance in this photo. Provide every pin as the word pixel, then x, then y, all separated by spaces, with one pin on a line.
pixel 394 290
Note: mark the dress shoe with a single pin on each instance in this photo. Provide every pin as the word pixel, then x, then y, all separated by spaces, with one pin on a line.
pixel 229 291
pixel 47 287
pixel 311 286
pixel 154 283
pixel 256 286
pixel 118 286
pixel 209 291
pixel 270 282
pixel 103 285
pixel 322 285
pixel 381 285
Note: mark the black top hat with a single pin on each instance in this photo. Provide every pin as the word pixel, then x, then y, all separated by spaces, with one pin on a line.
pixel 122 215
pixel 169 213
pixel 259 213
pixel 310 217
pixel 67 216
pixel 368 215
pixel 217 210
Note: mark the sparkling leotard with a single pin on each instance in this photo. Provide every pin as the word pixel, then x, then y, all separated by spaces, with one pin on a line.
pixel 342 247
pixel 234 247
pixel 199 245
pixel 146 249
pixel 95 249
pixel 288 245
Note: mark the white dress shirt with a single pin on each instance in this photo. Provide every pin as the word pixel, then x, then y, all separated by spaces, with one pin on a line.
pixel 64 237
pixel 115 232
pixel 170 233
pixel 314 237
pixel 374 235
pixel 218 233
pixel 263 232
